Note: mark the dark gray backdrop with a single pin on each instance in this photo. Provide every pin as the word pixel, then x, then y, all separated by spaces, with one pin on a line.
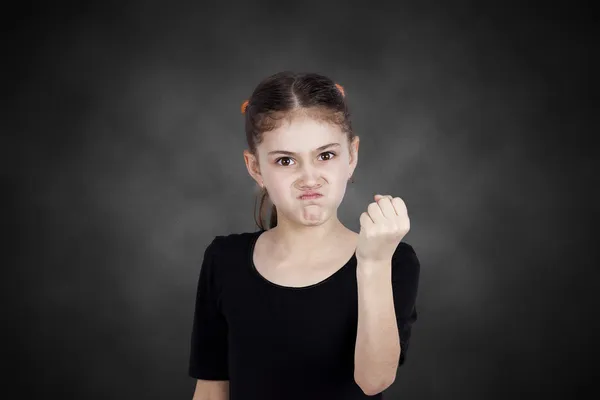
pixel 122 154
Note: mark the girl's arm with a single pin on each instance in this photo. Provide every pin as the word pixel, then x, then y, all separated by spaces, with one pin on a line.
pixel 211 390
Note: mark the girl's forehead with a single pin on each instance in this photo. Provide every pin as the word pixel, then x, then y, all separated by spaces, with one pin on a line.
pixel 303 133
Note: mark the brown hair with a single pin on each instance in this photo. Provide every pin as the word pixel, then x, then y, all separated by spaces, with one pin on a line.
pixel 282 96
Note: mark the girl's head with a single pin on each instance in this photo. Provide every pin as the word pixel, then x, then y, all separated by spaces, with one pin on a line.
pixel 290 119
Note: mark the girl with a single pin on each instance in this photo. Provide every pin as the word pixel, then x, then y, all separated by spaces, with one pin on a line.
pixel 304 308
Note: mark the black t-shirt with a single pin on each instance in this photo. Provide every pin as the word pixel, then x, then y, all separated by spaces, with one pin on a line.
pixel 280 342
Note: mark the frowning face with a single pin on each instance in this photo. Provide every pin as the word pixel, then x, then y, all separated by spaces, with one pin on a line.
pixel 302 157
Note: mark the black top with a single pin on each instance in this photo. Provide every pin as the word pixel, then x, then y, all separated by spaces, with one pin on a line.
pixel 279 342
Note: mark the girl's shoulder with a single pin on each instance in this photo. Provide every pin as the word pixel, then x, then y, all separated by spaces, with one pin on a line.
pixel 404 250
pixel 232 243
pixel 405 261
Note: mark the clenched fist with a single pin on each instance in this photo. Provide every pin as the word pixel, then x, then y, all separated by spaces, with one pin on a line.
pixel 382 228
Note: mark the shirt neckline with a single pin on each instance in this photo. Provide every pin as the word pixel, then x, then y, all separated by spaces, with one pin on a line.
pixel 254 239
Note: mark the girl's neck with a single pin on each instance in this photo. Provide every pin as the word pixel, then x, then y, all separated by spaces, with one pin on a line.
pixel 306 240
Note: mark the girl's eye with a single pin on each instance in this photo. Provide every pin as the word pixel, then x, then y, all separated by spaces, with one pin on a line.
pixel 288 158
pixel 330 157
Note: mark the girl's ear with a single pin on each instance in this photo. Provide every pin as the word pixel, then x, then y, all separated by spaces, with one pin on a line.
pixel 252 166
pixel 354 152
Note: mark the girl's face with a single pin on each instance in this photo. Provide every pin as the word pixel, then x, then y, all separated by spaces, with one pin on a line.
pixel 306 155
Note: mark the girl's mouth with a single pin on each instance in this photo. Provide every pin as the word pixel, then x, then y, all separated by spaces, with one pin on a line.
pixel 310 196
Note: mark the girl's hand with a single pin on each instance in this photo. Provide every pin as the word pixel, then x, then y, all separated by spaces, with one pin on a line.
pixel 382 228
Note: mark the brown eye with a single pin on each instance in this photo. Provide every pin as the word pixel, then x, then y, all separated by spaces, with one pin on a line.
pixel 330 157
pixel 282 158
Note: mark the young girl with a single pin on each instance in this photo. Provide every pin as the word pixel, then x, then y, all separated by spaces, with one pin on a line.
pixel 304 308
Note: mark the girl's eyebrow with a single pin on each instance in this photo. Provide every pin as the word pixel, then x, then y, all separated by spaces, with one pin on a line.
pixel 291 153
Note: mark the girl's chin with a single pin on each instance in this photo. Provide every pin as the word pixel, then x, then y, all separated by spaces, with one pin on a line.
pixel 313 214
pixel 308 215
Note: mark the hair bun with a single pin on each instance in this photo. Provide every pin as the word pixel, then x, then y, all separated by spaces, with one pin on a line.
pixel 244 106
pixel 341 89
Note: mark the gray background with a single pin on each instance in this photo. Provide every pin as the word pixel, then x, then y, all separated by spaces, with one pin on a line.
pixel 122 153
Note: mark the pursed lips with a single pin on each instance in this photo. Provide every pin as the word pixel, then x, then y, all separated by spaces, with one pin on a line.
pixel 310 195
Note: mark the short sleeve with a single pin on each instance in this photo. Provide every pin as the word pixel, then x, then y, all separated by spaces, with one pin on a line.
pixel 209 350
pixel 405 283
